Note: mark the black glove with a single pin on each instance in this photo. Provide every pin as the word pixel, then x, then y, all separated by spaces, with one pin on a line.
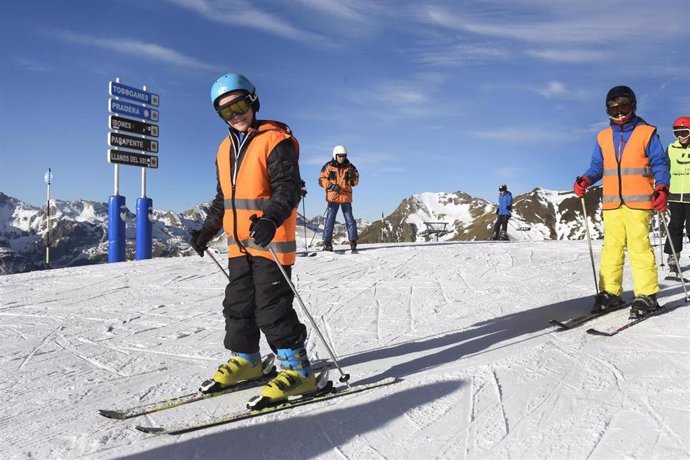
pixel 510 208
pixel 302 189
pixel 333 188
pixel 198 240
pixel 262 230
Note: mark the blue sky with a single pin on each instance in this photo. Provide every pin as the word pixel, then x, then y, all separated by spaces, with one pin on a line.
pixel 427 96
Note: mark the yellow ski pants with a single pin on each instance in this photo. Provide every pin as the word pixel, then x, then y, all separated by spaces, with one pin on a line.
pixel 628 228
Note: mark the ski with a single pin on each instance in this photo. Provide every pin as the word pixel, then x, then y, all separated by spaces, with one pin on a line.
pixel 578 320
pixel 327 393
pixel 676 278
pixel 631 322
pixel 149 408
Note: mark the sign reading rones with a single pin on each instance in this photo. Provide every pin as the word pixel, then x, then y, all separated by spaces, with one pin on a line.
pixel 132 126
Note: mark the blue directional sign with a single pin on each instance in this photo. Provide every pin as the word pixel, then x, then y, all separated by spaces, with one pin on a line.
pixel 133 94
pixel 132 110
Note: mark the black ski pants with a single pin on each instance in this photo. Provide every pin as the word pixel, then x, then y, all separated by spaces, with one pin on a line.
pixel 258 299
pixel 501 224
pixel 680 217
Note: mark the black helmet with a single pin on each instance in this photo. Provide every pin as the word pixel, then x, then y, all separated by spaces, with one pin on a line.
pixel 503 188
pixel 621 91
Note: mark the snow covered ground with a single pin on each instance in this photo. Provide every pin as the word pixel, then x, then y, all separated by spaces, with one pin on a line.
pixel 464 326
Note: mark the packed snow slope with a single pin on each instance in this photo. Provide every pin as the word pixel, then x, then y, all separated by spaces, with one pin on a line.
pixel 464 326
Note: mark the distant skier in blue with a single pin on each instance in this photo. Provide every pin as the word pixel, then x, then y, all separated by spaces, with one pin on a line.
pixel 505 205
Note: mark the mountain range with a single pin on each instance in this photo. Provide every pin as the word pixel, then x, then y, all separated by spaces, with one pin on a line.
pixel 79 228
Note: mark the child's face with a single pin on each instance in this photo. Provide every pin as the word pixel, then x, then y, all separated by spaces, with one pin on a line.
pixel 239 122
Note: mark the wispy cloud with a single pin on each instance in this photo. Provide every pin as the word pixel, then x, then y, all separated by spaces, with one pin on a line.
pixel 457 55
pixel 574 56
pixel 519 134
pixel 242 13
pixel 30 64
pixel 134 48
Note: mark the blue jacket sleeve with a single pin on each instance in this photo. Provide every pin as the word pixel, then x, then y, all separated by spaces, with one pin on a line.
pixel 659 162
pixel 596 166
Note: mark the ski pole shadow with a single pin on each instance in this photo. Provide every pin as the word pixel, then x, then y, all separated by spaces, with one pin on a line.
pixel 306 435
pixel 483 336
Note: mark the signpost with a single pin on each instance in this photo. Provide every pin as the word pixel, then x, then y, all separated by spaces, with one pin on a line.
pixel 48 178
pixel 134 149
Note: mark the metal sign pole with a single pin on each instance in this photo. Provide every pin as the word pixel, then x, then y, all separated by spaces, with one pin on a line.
pixel 49 180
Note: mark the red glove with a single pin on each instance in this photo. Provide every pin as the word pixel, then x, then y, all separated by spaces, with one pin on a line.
pixel 660 198
pixel 580 185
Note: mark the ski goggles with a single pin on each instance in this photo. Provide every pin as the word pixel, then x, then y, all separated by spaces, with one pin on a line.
pixel 681 133
pixel 235 107
pixel 622 108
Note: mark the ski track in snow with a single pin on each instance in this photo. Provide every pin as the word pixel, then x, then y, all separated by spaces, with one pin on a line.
pixel 463 325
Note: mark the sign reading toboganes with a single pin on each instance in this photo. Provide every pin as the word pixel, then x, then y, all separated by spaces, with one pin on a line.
pixel 133 94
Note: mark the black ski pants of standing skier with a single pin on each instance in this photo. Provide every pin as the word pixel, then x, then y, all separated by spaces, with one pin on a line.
pixel 259 299
pixel 501 224
pixel 680 217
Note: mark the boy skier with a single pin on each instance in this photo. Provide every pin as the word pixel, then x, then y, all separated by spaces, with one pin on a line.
pixel 505 205
pixel 628 155
pixel 257 193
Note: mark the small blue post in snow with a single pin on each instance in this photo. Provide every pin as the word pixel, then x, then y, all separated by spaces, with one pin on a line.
pixel 144 226
pixel 116 228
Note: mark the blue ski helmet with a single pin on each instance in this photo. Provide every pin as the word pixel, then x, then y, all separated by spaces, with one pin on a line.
pixel 233 82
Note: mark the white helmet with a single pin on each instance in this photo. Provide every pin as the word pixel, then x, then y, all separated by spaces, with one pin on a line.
pixel 339 150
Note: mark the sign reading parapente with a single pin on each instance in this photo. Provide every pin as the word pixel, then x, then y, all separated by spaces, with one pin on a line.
pixel 131 142
pixel 132 126
pixel 133 94
pixel 132 159
pixel 132 110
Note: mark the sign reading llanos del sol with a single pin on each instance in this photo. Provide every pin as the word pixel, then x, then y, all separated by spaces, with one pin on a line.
pixel 132 159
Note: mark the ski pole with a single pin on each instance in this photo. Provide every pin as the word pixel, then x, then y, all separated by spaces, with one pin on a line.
pixel 343 376
pixel 323 216
pixel 660 240
pixel 662 216
pixel 304 222
pixel 589 241
pixel 216 261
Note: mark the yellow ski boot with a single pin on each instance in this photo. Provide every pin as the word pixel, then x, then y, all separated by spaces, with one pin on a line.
pixel 295 378
pixel 239 368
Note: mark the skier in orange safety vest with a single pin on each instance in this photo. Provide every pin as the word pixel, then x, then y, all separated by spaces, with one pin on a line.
pixel 257 193
pixel 628 155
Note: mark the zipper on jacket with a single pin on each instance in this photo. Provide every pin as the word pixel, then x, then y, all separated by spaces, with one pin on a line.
pixel 619 158
pixel 237 147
